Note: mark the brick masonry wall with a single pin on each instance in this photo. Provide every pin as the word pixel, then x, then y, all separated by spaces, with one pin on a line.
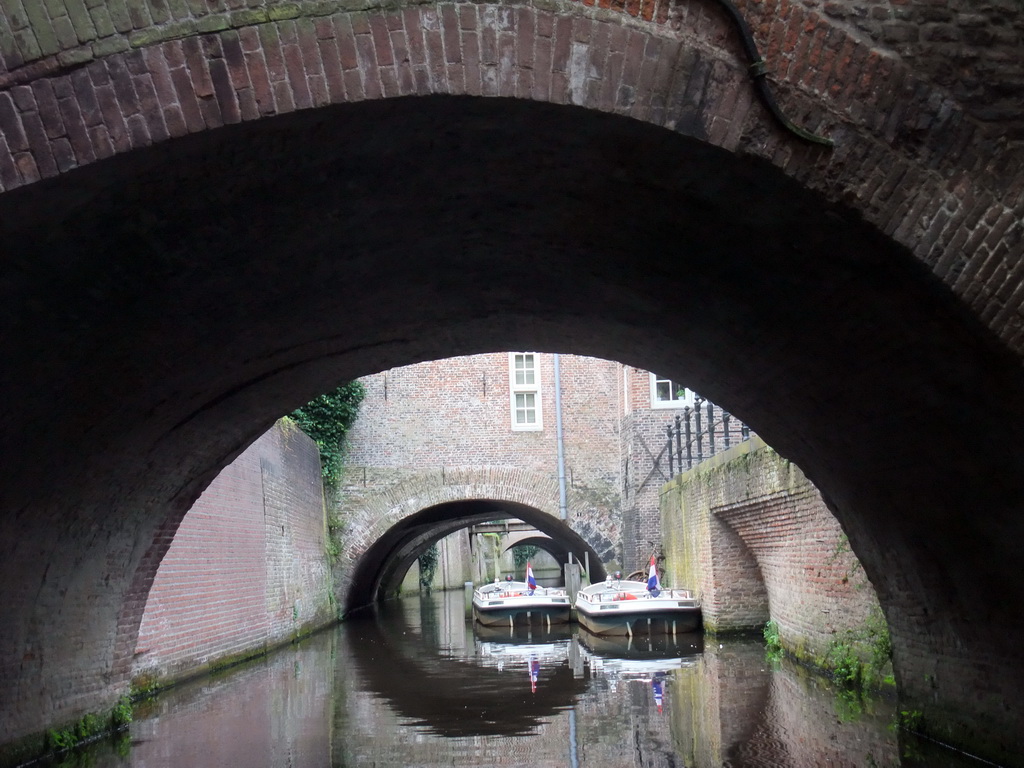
pixel 920 94
pixel 247 569
pixel 456 413
pixel 441 431
pixel 752 533
pixel 965 47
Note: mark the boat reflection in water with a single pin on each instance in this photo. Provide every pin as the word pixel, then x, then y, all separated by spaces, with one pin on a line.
pixel 644 659
pixel 639 657
pixel 684 647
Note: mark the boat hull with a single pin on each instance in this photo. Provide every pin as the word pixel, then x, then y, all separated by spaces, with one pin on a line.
pixel 513 614
pixel 615 621
pixel 510 605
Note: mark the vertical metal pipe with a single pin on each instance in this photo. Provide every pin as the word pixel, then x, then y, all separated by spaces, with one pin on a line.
pixel 563 512
pixel 725 428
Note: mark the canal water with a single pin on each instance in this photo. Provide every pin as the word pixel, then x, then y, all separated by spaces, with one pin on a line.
pixel 420 685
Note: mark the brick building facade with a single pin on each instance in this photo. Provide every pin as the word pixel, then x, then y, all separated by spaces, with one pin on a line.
pixel 462 413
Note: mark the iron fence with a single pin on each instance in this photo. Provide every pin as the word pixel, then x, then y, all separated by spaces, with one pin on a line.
pixel 699 433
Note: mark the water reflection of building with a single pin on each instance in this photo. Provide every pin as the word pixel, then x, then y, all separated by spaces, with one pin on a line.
pixel 420 688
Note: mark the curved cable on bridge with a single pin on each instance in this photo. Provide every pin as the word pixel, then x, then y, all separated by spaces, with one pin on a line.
pixel 758 68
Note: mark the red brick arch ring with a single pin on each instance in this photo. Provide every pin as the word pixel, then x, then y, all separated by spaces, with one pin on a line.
pixel 394 526
pixel 201 233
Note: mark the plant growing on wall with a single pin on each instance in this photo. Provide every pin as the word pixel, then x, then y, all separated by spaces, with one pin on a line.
pixel 522 553
pixel 772 641
pixel 327 419
pixel 428 566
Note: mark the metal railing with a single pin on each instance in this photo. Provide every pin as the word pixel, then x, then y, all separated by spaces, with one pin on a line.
pixel 699 433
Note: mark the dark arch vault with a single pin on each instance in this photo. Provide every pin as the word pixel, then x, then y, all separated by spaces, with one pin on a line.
pixel 161 308
pixel 382 567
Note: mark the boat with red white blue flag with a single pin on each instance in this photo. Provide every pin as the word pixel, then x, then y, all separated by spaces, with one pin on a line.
pixel 623 607
pixel 512 602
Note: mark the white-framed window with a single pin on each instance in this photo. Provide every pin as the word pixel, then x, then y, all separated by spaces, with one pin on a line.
pixel 666 393
pixel 524 390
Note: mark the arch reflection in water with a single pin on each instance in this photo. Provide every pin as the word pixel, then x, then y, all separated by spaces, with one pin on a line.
pixel 417 685
pixel 445 684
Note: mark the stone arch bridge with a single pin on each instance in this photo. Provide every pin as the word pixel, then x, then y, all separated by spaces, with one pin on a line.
pixel 389 528
pixel 211 212
pixel 517 534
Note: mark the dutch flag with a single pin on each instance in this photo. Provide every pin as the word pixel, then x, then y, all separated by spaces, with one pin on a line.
pixel 530 581
pixel 652 580
pixel 659 695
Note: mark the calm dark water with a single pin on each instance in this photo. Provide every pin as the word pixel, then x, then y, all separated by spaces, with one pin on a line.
pixel 419 685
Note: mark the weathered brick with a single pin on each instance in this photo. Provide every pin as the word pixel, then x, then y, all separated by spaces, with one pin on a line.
pixel 187 99
pixel 120 79
pixel 334 77
pixel 273 55
pixel 224 92
pixel 11 126
pixel 371 85
pixel 10 177
pixel 473 75
pixel 49 112
pixel 297 76
pixel 450 33
pixel 39 144
pixel 77 131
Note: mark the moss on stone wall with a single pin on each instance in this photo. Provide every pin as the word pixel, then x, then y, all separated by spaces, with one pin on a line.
pixel 748 519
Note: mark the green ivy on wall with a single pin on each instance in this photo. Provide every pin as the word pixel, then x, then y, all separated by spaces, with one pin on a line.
pixel 327 419
pixel 522 554
pixel 428 566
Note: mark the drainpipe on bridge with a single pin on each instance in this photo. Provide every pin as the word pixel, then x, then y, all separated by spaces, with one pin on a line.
pixel 562 506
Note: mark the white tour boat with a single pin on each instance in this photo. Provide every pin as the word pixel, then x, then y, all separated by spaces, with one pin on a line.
pixel 622 607
pixel 508 602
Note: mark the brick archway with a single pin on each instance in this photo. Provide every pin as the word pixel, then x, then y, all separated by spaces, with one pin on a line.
pixel 398 522
pixel 910 161
pixel 659 220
